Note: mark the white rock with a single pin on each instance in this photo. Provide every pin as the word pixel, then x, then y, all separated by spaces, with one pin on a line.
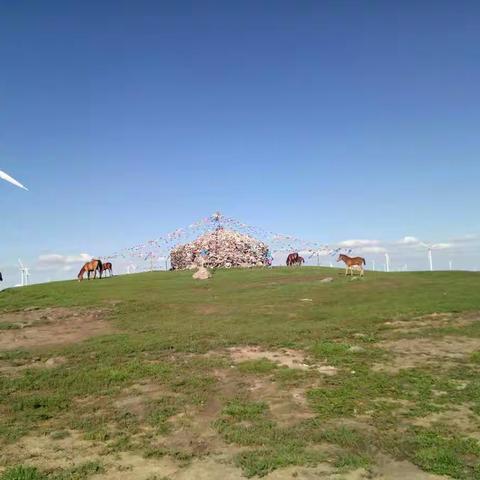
pixel 356 349
pixel 202 274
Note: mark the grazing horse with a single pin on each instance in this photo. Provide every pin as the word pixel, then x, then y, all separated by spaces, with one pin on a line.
pixel 89 267
pixel 292 259
pixel 351 263
pixel 107 266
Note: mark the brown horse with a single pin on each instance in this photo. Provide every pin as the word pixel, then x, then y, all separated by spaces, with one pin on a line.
pixel 89 267
pixel 107 266
pixel 351 263
pixel 292 259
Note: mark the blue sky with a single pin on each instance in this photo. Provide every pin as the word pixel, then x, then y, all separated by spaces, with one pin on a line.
pixel 333 120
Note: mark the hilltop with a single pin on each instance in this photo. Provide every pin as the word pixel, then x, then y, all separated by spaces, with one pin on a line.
pixel 255 372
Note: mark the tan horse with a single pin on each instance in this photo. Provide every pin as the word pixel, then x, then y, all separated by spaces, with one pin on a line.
pixel 351 263
pixel 107 266
pixel 90 267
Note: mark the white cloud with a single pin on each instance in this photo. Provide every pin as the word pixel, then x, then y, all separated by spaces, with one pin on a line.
pixel 469 238
pixel 358 243
pixel 55 261
pixel 408 240
pixel 373 249
pixel 442 246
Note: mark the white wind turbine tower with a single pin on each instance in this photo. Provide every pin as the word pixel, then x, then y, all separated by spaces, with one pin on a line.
pixel 429 248
pixel 387 262
pixel 9 179
pixel 433 246
pixel 25 273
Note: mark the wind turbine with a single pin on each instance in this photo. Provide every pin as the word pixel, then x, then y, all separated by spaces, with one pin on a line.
pixel 429 248
pixel 25 273
pixel 387 262
pixel 11 180
pixel 433 246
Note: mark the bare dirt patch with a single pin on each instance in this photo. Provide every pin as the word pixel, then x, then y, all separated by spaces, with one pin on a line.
pixel 193 430
pixel 286 357
pixel 46 453
pixel 135 399
pixel 433 320
pixel 460 419
pixel 287 406
pixel 51 326
pixel 387 468
pixel 16 367
pixel 414 352
pixel 207 309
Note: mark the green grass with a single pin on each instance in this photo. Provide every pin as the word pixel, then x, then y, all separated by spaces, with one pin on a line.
pixel 80 472
pixel 22 473
pixel 262 365
pixel 9 326
pixel 242 410
pixel 164 323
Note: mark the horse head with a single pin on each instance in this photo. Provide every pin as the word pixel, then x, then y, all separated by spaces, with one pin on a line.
pixel 80 274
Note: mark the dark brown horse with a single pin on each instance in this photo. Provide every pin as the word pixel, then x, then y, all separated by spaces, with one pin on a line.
pixel 292 259
pixel 107 266
pixel 90 267
pixel 351 263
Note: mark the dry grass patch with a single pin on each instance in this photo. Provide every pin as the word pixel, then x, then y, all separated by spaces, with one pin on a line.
pixel 285 357
pixel 459 419
pixel 51 326
pixel 415 352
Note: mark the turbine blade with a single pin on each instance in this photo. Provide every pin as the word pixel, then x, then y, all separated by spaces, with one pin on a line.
pixel 11 180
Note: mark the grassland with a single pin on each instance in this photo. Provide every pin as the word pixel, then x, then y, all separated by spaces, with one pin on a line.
pixel 269 373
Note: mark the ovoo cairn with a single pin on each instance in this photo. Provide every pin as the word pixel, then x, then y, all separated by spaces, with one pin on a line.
pixel 220 248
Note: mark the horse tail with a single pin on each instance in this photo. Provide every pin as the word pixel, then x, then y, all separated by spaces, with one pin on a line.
pixel 364 262
pixel 99 265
